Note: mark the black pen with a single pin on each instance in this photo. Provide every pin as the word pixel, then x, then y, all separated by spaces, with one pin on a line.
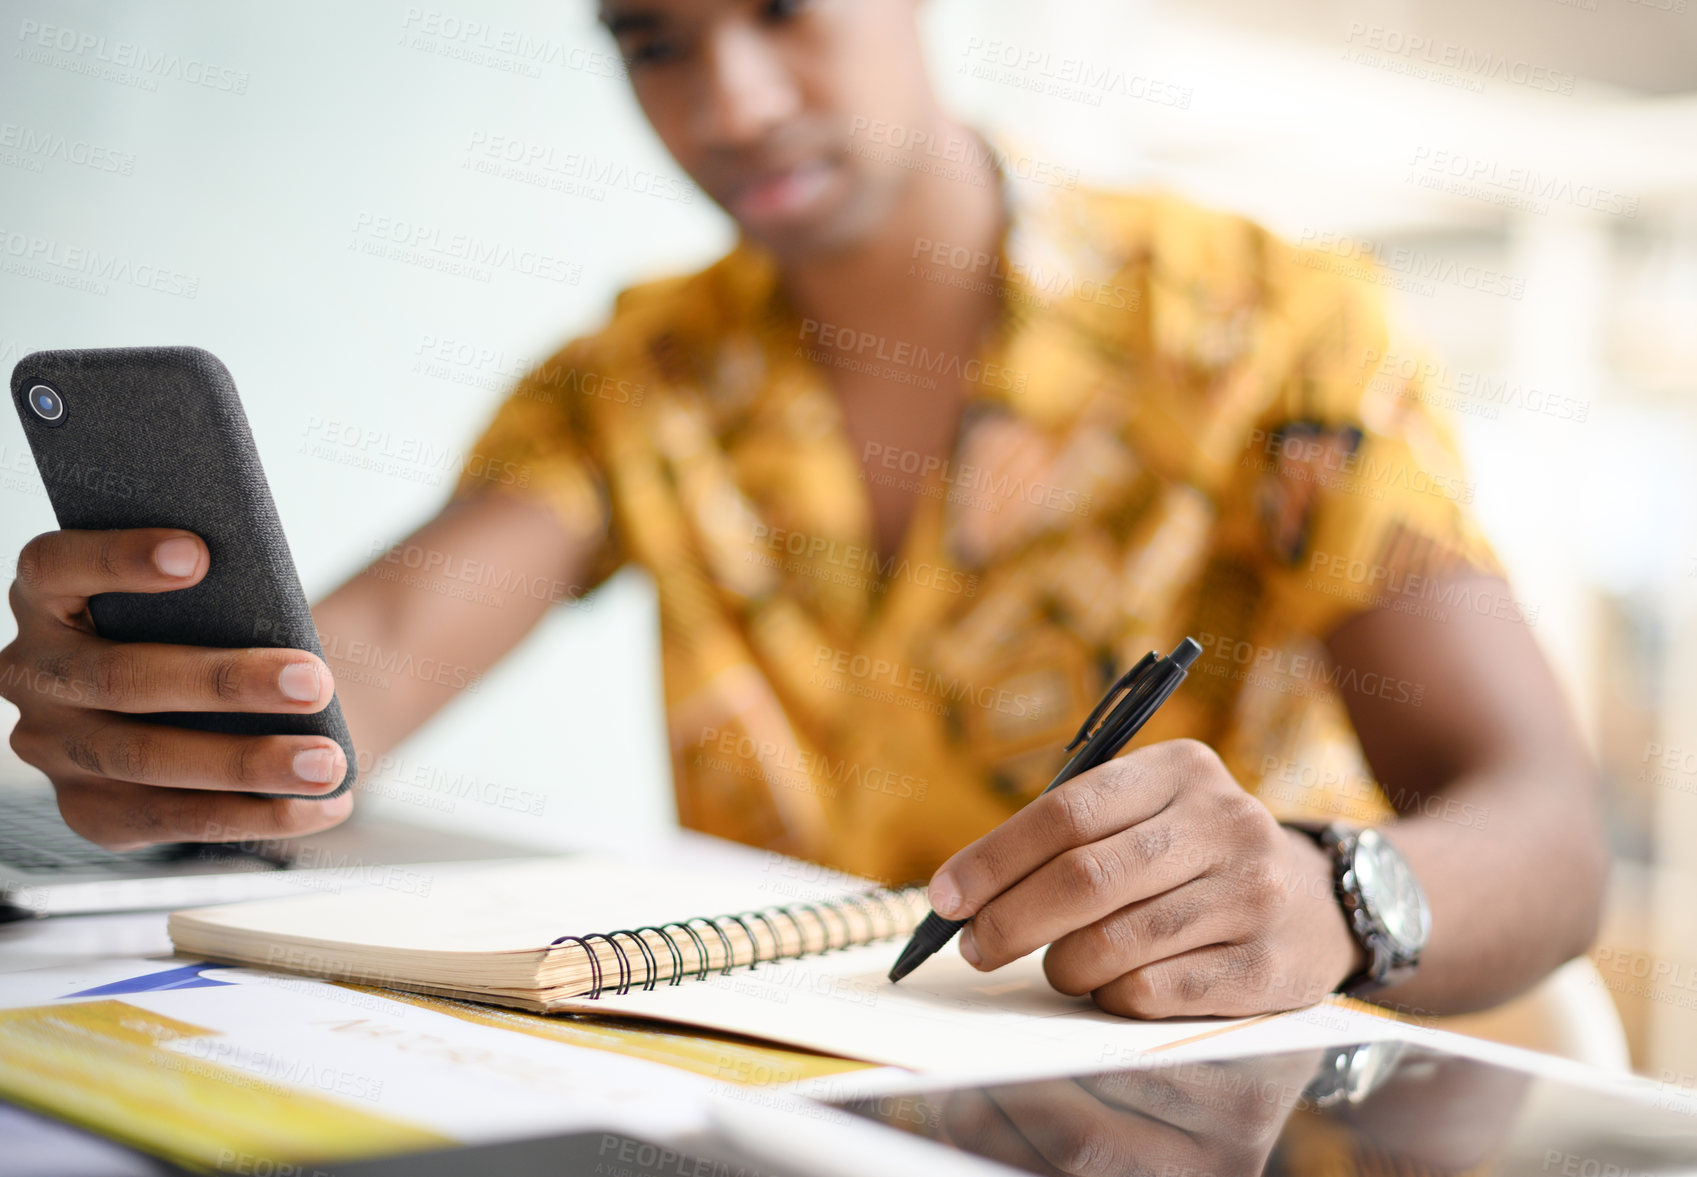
pixel 1146 686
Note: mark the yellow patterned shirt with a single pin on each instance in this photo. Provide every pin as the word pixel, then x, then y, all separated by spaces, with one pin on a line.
pixel 1180 425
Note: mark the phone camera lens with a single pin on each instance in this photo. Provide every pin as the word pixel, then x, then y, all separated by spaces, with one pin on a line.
pixel 47 405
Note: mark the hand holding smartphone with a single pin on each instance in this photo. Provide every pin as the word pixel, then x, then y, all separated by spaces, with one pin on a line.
pixel 167 671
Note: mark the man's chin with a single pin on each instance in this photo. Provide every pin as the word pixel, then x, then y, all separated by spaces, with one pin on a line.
pixel 840 225
pixel 804 241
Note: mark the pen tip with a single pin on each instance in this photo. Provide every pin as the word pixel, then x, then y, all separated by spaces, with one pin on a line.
pixel 907 962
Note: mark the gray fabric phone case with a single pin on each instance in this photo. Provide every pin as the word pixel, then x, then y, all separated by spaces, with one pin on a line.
pixel 156 437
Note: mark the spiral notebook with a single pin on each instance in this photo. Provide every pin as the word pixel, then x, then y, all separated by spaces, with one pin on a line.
pixel 537 933
pixel 784 956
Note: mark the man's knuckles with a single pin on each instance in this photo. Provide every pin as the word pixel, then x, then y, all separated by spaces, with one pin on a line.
pixel 1088 875
pixel 994 936
pixel 1076 812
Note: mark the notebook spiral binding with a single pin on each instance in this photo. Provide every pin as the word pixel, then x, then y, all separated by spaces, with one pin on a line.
pixel 837 933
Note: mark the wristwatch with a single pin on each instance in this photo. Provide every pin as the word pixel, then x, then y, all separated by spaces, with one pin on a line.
pixel 1383 902
pixel 1350 1074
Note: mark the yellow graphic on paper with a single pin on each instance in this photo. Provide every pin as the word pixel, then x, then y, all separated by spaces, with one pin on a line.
pixel 104 1065
pixel 724 1057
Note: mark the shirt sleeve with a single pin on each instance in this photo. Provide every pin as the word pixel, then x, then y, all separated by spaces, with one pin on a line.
pixel 1357 486
pixel 541 444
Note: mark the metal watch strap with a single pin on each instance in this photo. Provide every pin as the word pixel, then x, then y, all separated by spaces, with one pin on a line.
pixel 1340 840
pixel 1382 968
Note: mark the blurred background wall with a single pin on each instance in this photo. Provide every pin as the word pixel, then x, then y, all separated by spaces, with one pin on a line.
pixel 1529 167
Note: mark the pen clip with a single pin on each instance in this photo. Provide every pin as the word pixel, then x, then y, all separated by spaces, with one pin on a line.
pixel 1126 681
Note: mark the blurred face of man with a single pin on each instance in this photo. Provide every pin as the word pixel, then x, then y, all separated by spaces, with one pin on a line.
pixel 763 101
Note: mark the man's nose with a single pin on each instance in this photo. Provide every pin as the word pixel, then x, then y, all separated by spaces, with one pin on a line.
pixel 749 89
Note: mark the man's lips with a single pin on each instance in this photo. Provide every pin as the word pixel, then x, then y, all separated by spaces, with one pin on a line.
pixel 780 195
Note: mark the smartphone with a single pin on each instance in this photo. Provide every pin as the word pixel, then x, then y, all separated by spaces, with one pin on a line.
pixel 156 437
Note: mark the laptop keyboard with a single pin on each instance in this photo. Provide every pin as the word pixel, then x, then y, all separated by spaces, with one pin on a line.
pixel 34 837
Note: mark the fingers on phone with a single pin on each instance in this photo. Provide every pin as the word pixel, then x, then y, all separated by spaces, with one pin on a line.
pixel 132 560
pixel 121 815
pixel 154 754
pixel 137 677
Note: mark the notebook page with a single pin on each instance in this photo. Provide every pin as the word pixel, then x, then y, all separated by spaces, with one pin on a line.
pixel 945 1017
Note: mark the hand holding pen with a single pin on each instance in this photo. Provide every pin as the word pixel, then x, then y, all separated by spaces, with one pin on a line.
pixel 1162 887
pixel 1134 698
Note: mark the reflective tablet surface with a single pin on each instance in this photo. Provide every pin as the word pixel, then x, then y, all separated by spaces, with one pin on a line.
pixel 1375 1108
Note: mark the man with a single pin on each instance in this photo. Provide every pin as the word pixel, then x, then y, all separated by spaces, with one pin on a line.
pixel 916 469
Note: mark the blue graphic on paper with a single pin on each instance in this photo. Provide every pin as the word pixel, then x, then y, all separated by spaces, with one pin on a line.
pixel 187 977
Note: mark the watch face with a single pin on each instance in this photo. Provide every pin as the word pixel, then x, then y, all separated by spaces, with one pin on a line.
pixel 1392 893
